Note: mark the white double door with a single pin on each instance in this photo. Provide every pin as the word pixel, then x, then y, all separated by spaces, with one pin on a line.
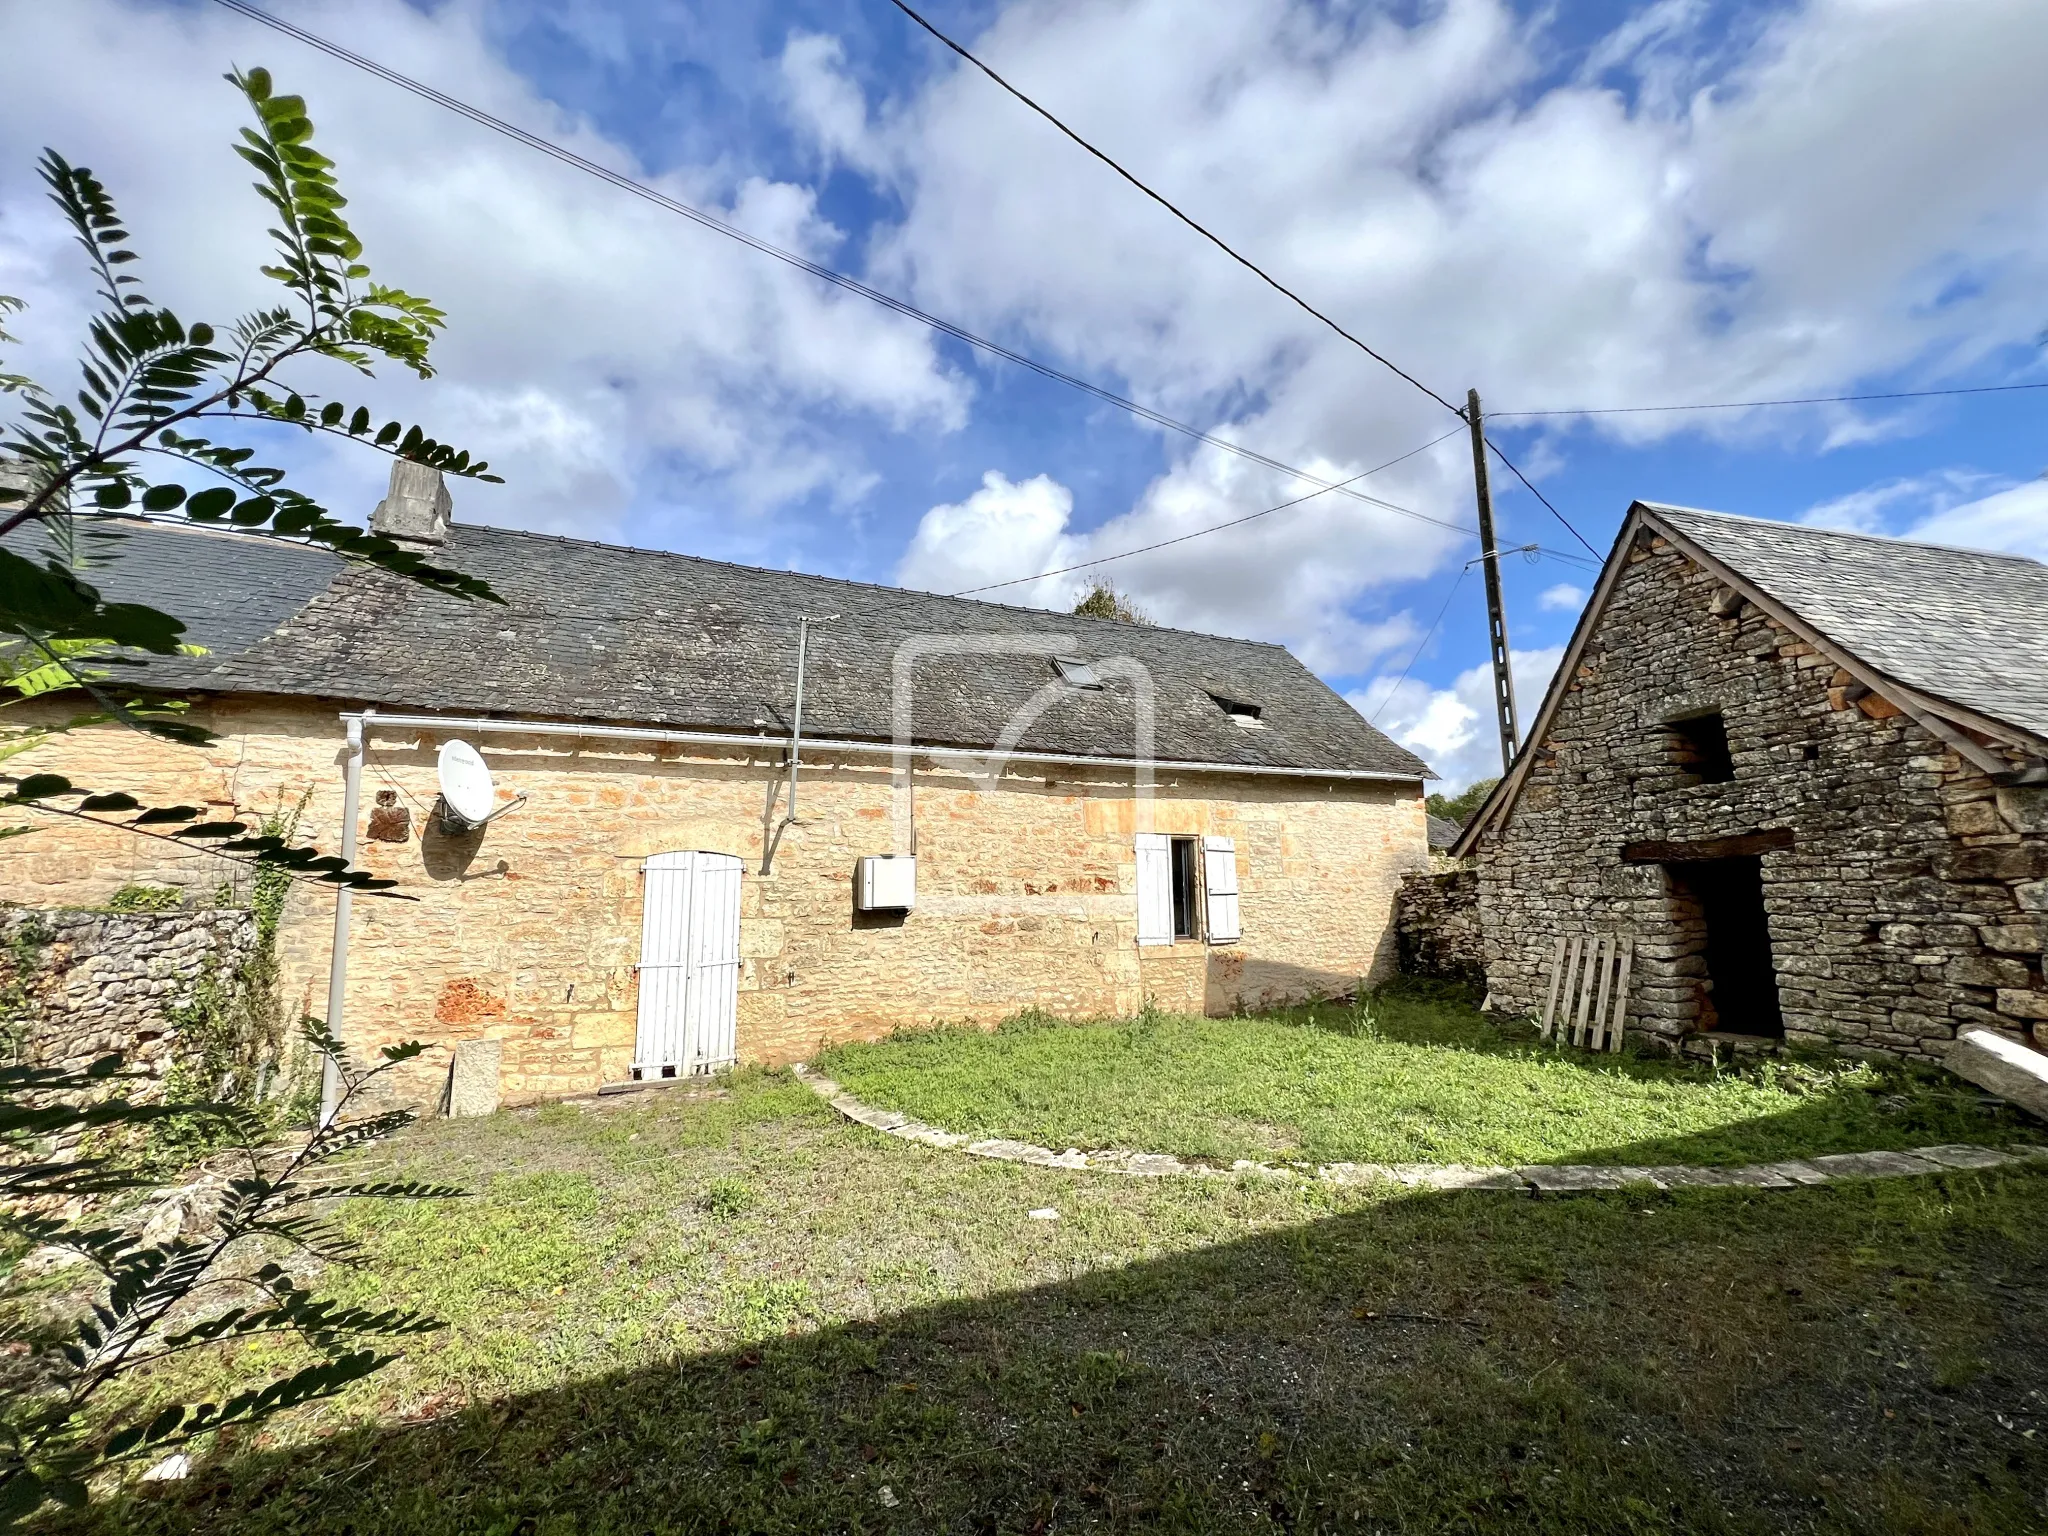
pixel 689 965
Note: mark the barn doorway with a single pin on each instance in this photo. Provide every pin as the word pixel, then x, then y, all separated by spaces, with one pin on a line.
pixel 689 965
pixel 1728 897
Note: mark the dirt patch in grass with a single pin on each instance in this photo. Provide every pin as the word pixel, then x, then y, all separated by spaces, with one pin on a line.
pixel 744 1314
pixel 1397 1078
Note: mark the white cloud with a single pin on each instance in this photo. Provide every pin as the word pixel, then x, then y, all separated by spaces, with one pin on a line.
pixel 1731 229
pixel 1562 598
pixel 1452 729
pixel 827 105
pixel 1965 508
pixel 600 352
pixel 2013 521
pixel 1000 530
pixel 1701 211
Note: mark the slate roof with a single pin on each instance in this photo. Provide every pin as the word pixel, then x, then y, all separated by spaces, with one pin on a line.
pixel 230 589
pixel 1443 833
pixel 1956 624
pixel 603 633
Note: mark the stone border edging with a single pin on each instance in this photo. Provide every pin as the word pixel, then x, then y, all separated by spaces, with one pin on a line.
pixel 1536 1179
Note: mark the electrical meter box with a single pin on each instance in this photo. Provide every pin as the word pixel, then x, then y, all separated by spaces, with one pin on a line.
pixel 886 882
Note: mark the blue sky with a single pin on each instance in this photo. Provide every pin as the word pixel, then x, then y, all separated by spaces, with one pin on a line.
pixel 1587 204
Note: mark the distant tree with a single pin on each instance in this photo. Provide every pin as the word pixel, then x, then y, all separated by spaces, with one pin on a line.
pixel 1459 807
pixel 1104 601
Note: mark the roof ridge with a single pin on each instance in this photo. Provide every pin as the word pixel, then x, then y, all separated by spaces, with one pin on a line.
pixel 848 581
pixel 1845 533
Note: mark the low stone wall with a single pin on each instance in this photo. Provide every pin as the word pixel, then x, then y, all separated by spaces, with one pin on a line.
pixel 1436 926
pixel 75 986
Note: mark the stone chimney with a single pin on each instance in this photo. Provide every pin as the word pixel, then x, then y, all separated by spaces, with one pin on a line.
pixel 417 509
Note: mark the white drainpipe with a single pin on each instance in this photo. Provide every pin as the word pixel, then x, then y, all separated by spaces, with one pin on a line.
pixel 337 965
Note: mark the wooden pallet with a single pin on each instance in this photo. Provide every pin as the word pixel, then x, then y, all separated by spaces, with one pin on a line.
pixel 1588 990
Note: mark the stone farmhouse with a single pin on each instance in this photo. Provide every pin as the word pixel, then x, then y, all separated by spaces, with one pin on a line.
pixel 982 808
pixel 1805 771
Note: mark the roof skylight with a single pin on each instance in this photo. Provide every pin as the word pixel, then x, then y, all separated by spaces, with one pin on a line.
pixel 1074 670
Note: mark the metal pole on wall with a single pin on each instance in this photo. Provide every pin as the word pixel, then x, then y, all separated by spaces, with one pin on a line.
pixel 796 723
pixel 337 966
pixel 1496 614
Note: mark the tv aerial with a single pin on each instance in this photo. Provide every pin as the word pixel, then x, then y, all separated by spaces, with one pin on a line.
pixel 468 797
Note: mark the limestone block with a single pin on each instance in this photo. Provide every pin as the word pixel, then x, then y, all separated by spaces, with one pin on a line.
pixel 2016 1073
pixel 2012 938
pixel 763 938
pixel 2020 1004
pixel 1974 818
pixel 473 1078
pixel 2010 861
pixel 1985 971
pixel 2024 807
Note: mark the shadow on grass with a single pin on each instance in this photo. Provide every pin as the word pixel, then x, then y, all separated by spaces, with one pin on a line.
pixel 1833 1360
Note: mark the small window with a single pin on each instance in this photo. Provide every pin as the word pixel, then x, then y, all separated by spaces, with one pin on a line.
pixel 1249 716
pixel 1072 669
pixel 1701 748
pixel 1186 855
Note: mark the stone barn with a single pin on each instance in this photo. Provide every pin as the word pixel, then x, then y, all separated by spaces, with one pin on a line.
pixel 1804 772
pixel 683 855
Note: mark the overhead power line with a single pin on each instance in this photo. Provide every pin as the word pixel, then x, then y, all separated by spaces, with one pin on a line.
pixel 826 274
pixel 1235 522
pixel 910 311
pixel 1224 246
pixel 1751 405
pixel 1463 571
pixel 1541 497
pixel 1207 234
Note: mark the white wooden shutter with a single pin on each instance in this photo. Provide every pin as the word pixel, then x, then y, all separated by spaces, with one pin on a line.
pixel 664 964
pixel 1155 889
pixel 689 964
pixel 1219 880
pixel 712 1008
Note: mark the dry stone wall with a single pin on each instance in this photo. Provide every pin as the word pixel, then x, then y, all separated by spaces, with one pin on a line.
pixel 528 930
pixel 1914 894
pixel 80 985
pixel 1437 927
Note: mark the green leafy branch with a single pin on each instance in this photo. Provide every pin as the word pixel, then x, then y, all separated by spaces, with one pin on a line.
pixel 145 373
pixel 229 839
pixel 153 1293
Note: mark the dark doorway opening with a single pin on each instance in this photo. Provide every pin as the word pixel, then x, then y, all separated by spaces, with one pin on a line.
pixel 1729 897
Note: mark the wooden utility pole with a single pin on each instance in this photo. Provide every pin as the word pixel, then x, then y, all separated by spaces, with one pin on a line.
pixel 1496 615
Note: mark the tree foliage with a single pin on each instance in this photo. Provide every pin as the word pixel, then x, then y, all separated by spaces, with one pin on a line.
pixel 161 1300
pixel 1104 601
pixel 1459 807
pixel 155 396
pixel 150 431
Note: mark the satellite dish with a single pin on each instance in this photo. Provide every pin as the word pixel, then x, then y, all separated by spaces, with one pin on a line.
pixel 466 791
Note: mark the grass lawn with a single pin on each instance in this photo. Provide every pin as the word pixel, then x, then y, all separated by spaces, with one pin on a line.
pixel 742 1313
pixel 1405 1077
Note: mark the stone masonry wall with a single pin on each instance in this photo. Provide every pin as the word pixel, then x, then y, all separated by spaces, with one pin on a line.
pixel 1437 928
pixel 1913 898
pixel 527 931
pixel 81 985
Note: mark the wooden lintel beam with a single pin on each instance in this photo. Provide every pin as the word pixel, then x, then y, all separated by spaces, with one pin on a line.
pixel 1741 845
